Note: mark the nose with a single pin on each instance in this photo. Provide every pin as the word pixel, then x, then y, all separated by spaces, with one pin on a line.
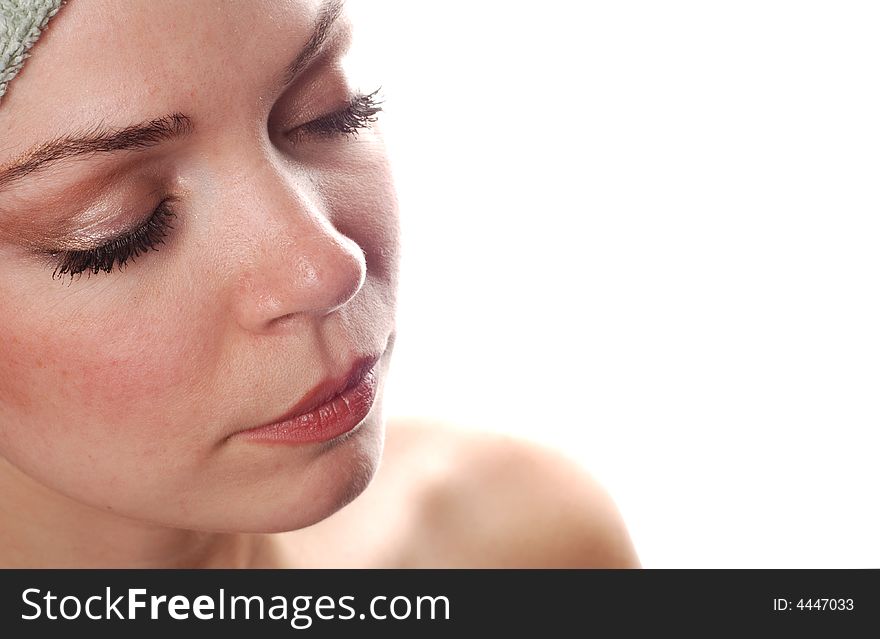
pixel 300 265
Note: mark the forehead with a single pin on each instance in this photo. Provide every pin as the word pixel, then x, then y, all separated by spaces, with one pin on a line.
pixel 118 62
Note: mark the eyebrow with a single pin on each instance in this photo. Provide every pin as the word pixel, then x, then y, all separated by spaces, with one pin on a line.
pixel 97 140
pixel 328 14
pixel 101 139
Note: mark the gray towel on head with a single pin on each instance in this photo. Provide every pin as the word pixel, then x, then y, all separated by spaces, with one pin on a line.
pixel 21 22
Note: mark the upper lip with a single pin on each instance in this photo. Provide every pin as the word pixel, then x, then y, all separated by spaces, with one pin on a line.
pixel 329 388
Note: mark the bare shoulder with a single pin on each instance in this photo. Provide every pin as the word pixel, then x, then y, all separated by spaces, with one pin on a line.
pixel 488 500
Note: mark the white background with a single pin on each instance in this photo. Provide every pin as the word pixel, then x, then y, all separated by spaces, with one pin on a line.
pixel 647 233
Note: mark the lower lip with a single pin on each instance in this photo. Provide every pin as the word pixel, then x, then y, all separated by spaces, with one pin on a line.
pixel 341 415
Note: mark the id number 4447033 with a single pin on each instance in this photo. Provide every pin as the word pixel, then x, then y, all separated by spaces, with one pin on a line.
pixel 819 603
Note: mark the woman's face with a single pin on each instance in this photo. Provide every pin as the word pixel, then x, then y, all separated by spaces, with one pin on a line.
pixel 277 267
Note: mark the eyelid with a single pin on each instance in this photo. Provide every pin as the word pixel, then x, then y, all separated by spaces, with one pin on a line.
pixel 106 222
pixel 118 250
pixel 358 113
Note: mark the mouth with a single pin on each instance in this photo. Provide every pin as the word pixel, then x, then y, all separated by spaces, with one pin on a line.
pixel 335 406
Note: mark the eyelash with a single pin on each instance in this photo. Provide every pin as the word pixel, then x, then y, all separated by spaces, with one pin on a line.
pixel 360 113
pixel 119 250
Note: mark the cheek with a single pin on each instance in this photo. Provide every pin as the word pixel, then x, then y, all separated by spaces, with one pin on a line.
pixel 91 372
pixel 364 202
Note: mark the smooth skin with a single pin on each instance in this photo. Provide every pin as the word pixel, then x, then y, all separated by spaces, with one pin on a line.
pixel 120 391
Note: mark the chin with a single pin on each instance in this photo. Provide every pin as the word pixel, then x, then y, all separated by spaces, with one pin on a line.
pixel 294 496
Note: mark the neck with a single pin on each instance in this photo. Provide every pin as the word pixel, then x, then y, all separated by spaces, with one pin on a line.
pixel 42 528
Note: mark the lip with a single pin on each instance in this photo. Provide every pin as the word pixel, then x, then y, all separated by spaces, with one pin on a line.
pixel 334 407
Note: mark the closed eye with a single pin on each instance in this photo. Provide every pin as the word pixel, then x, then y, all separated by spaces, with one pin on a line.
pixel 118 251
pixel 359 114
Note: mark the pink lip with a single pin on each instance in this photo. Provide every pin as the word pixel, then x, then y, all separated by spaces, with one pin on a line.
pixel 330 409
